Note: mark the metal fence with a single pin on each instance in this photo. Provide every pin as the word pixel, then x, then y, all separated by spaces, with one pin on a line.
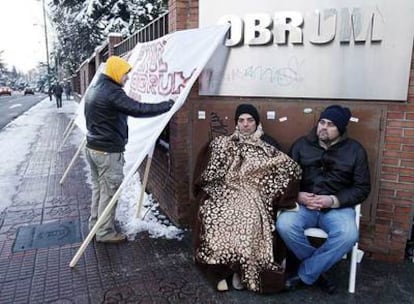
pixel 154 30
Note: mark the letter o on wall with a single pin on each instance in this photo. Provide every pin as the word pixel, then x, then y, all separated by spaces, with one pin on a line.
pixel 236 29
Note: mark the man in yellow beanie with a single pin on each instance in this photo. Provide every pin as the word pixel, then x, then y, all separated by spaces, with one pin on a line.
pixel 106 110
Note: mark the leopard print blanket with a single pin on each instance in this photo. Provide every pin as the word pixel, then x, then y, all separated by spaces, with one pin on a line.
pixel 244 179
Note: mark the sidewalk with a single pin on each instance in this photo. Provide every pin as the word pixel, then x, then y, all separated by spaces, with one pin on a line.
pixel 147 270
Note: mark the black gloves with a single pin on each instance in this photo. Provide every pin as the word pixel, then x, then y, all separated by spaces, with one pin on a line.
pixel 171 103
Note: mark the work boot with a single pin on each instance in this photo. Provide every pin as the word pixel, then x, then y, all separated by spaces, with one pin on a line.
pixel 293 283
pixel 326 284
pixel 113 237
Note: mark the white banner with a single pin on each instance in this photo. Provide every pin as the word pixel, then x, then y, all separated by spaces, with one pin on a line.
pixel 80 113
pixel 162 69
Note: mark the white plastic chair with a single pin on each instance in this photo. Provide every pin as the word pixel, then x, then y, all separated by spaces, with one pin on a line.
pixel 356 253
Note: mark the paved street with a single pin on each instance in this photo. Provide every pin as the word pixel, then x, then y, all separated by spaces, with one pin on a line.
pixel 147 270
pixel 13 106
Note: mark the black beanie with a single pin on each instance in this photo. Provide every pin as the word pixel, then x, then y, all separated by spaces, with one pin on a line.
pixel 247 108
pixel 338 115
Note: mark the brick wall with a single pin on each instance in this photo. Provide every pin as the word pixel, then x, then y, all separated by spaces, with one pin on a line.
pixel 393 220
pixel 113 39
pixel 383 238
pixel 169 175
pixel 183 14
pixel 169 178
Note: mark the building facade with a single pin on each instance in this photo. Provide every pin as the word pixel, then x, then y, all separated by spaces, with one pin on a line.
pixel 383 121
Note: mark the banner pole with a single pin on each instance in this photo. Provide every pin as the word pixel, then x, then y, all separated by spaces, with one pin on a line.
pixel 104 214
pixel 68 126
pixel 66 136
pixel 81 146
pixel 145 180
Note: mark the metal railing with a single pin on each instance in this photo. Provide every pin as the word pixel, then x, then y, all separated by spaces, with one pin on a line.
pixel 154 30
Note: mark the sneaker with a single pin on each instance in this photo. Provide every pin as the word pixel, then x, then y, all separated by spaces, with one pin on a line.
pixel 111 238
pixel 222 285
pixel 236 283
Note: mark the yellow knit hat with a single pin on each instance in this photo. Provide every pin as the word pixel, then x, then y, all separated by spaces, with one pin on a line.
pixel 116 67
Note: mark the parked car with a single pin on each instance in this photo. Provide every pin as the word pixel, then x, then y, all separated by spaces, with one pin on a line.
pixel 5 91
pixel 28 91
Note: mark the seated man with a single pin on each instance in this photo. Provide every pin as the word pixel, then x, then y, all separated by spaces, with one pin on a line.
pixel 244 183
pixel 335 178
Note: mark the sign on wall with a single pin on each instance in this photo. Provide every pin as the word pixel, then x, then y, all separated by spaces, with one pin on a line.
pixel 351 49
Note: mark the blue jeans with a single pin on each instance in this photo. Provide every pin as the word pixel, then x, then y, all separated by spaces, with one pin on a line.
pixel 342 232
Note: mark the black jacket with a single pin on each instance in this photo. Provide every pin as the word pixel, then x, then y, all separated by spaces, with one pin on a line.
pixel 270 140
pixel 342 170
pixel 106 110
pixel 58 90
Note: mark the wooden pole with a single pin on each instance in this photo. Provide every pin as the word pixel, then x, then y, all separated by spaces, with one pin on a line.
pixel 68 126
pixel 67 135
pixel 81 146
pixel 145 180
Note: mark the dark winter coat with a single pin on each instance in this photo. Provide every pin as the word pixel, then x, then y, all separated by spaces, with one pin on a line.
pixel 341 170
pixel 57 90
pixel 106 110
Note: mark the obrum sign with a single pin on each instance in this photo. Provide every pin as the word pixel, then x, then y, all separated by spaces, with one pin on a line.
pixel 312 49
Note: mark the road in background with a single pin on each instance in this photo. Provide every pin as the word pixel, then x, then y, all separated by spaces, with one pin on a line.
pixel 13 106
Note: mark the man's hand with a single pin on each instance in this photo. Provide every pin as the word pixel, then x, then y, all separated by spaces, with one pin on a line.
pixel 171 103
pixel 315 202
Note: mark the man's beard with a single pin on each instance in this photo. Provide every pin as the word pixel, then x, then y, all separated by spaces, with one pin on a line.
pixel 324 137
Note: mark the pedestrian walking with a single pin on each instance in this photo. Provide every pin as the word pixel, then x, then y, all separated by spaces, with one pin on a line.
pixel 50 93
pixel 68 90
pixel 58 90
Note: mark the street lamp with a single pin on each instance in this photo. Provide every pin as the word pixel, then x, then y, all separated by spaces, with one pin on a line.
pixel 47 43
